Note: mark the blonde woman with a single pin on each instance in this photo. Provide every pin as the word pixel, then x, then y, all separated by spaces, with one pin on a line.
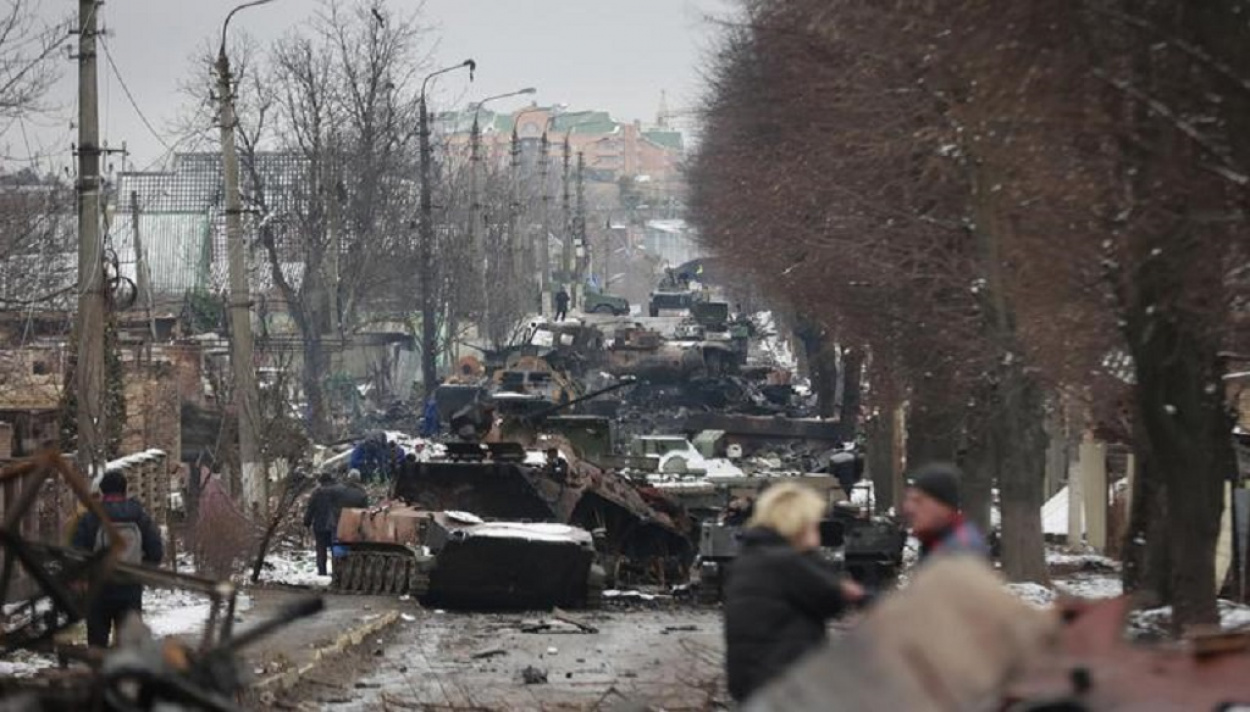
pixel 779 594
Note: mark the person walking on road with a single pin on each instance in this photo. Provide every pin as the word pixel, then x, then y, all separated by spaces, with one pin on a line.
pixel 562 304
pixel 932 509
pixel 779 593
pixel 141 544
pixel 322 517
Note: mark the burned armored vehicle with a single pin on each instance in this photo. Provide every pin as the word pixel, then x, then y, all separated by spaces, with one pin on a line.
pixel 456 559
pixel 645 354
pixel 868 548
pixel 532 546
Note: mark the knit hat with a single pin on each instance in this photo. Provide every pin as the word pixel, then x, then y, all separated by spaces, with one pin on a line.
pixel 353 475
pixel 113 483
pixel 939 480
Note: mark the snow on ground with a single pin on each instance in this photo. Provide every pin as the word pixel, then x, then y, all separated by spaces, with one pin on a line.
pixel 293 568
pixel 1091 586
pixel 1034 593
pixel 1058 557
pixel 1154 622
pixel 24 664
pixel 179 612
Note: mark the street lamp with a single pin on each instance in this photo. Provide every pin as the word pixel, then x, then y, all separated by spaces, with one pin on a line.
pixel 429 332
pixel 475 207
pixel 252 477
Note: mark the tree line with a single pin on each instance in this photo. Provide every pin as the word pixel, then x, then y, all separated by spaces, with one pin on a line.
pixel 1018 213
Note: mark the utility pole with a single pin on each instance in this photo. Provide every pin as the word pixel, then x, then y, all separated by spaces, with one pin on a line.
pixel 566 245
pixel 581 253
pixel 544 239
pixel 143 276
pixel 478 247
pixel 526 273
pixel 89 367
pixel 429 329
pixel 252 476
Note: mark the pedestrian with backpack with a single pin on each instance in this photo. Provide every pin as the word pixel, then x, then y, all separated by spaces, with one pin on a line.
pixel 141 544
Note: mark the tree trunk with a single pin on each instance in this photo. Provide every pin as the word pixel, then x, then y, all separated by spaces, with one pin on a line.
pixel 1147 561
pixel 1020 447
pixel 852 373
pixel 1185 422
pixel 316 366
pixel 978 486
pixel 880 460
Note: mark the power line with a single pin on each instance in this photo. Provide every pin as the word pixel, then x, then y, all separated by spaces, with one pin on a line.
pixel 134 104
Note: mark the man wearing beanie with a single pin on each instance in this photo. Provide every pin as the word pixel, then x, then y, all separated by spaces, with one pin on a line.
pixel 141 544
pixel 932 508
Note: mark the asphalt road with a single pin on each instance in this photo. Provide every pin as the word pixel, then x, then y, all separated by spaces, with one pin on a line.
pixel 669 657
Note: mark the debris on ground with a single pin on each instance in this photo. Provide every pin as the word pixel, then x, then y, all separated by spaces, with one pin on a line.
pixel 533 676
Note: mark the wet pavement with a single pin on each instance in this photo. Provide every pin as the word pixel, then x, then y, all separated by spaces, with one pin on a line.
pixel 644 657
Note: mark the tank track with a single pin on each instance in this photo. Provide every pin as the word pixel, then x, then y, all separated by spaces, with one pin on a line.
pixel 383 573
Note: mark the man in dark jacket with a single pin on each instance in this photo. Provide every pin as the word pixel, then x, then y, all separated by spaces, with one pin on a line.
pixel 141 544
pixel 322 517
pixel 562 305
pixel 351 495
pixel 932 508
pixel 779 594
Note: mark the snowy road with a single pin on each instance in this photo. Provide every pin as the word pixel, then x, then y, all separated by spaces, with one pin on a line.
pixel 669 657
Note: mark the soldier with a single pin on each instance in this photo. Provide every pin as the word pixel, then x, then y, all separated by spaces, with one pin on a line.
pixel 141 544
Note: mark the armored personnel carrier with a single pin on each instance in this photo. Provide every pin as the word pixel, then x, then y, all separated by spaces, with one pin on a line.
pixel 456 559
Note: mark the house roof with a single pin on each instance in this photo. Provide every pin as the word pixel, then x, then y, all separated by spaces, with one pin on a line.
pixel 667 139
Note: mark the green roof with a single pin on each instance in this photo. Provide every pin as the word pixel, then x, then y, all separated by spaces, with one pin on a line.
pixel 667 139
pixel 584 122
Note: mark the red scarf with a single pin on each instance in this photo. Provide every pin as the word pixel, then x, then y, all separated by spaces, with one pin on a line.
pixel 113 498
pixel 929 540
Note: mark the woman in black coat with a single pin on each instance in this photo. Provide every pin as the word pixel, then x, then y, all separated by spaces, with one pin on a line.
pixel 779 594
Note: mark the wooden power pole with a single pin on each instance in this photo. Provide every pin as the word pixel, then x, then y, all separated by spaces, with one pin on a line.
pixel 89 329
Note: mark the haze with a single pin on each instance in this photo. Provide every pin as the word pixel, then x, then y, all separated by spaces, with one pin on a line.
pixel 614 56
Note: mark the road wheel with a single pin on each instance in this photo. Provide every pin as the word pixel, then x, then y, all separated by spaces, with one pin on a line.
pixel 603 309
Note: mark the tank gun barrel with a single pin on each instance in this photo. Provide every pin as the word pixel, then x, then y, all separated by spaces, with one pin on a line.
pixel 540 415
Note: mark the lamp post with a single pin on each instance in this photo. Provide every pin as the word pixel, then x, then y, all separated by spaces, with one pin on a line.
pixel 252 476
pixel 429 330
pixel 475 206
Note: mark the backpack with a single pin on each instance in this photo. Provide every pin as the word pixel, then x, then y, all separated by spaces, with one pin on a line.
pixel 132 541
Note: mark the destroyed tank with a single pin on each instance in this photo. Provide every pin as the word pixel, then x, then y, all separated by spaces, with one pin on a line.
pixel 456 559
pixel 390 550
pixel 646 355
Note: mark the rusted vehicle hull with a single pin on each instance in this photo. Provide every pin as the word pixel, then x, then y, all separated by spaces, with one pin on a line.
pixel 455 560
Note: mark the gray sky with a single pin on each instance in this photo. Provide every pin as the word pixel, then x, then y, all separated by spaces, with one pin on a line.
pixel 615 55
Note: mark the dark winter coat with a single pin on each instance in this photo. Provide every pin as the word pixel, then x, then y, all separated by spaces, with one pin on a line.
pixel 562 299
pixel 777 602
pixel 119 510
pixel 322 512
pixel 350 496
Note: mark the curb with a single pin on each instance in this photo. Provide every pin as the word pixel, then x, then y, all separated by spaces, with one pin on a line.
pixel 289 678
